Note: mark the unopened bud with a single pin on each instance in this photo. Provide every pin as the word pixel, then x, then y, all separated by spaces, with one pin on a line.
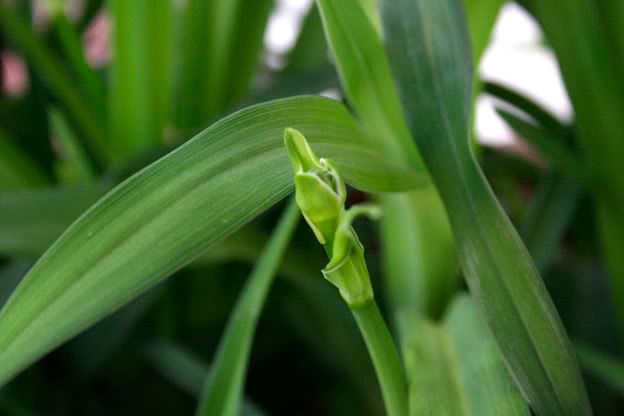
pixel 319 190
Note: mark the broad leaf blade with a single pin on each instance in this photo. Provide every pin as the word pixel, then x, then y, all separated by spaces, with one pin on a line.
pixel 429 53
pixel 161 218
pixel 455 368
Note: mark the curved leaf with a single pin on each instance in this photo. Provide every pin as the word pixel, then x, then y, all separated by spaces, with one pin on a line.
pixel 165 215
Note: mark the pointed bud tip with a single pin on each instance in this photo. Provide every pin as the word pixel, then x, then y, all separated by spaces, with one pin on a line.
pixel 300 153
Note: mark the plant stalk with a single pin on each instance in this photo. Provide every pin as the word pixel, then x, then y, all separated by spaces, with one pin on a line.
pixel 385 356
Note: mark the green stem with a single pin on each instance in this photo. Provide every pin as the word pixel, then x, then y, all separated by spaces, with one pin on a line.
pixel 385 357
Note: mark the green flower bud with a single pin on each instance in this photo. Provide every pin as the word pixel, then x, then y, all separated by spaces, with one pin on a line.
pixel 319 190
pixel 320 194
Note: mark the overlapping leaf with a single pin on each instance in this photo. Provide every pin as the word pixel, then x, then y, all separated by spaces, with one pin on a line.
pixel 428 47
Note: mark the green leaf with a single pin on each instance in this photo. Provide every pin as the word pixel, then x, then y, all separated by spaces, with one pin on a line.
pixel 428 47
pixel 454 367
pixel 548 215
pixel 541 116
pixel 75 165
pixel 219 46
pixel 587 39
pixel 141 70
pixel 71 46
pixel 550 145
pixel 223 389
pixel 183 368
pixel 170 212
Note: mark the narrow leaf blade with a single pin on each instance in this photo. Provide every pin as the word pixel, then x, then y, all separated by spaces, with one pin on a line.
pixel 429 53
pixel 223 389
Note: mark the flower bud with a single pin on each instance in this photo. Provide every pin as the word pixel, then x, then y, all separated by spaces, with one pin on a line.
pixel 319 190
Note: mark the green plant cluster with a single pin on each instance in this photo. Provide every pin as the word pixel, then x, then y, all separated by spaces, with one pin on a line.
pixel 149 266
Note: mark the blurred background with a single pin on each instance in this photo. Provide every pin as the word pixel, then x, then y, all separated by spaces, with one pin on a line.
pixel 151 357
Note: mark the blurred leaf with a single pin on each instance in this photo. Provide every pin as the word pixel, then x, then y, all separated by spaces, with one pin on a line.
pixel 164 216
pixel 587 39
pixel 481 16
pixel 183 368
pixel 548 144
pixel 71 45
pixel 429 53
pixel 17 170
pixel 548 215
pixel 75 165
pixel 454 368
pixel 30 221
pixel 141 71
pixel 223 389
pixel 219 46
pixel 541 116
pixel 603 366
pixel 54 75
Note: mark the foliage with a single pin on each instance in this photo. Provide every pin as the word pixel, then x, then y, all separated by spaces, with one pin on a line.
pixel 139 198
